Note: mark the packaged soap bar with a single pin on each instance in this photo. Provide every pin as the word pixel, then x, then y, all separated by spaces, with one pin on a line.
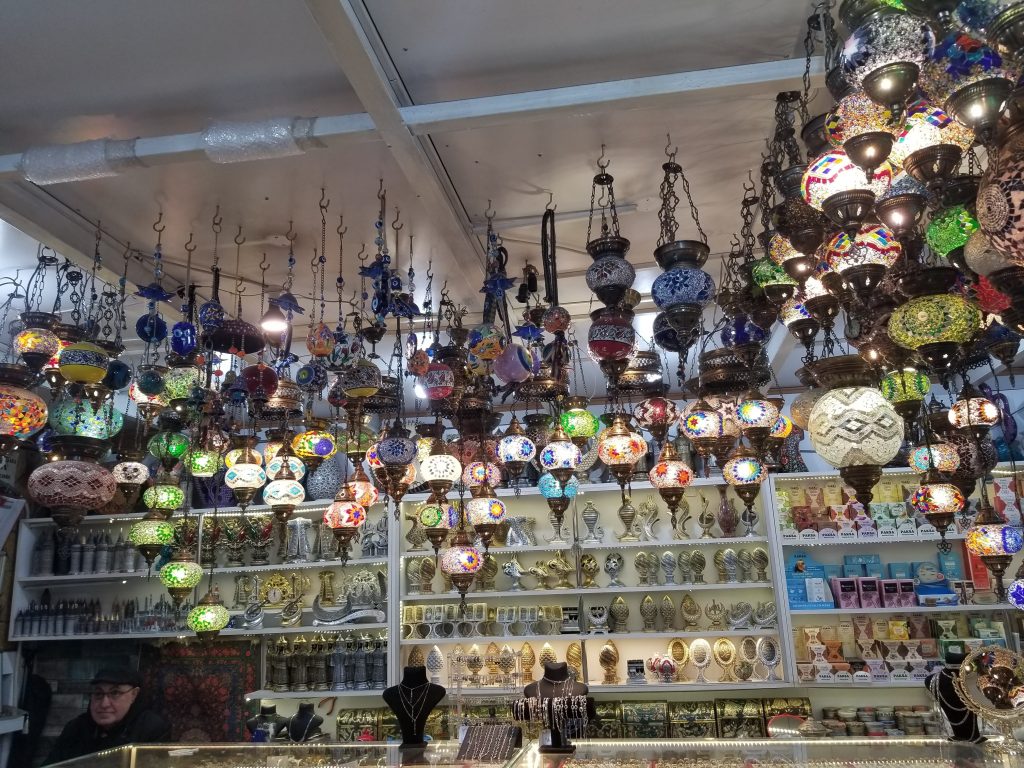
pixel 899 570
pixel 976 570
pixel 870 592
pixel 888 490
pixel 845 592
pixel 1005 500
pixel 949 565
pixel 891 593
pixel 834 494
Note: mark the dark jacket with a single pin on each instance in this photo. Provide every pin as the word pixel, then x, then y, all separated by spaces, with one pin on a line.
pixel 83 737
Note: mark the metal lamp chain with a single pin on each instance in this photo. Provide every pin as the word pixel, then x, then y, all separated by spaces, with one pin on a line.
pixel 693 206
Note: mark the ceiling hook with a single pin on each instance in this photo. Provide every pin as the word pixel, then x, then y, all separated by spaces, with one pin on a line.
pixel 217 220
pixel 324 203
pixel 362 251
pixel 238 238
pixel 489 213
pixel 190 245
pixel 127 250
pixel 551 199
pixel 602 161
pixel 342 229
pixel 670 153
pixel 380 190
pixel 396 225
pixel 156 225
pixel 291 235
pixel 264 264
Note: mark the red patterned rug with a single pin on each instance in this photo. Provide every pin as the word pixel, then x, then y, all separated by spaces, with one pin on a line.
pixel 201 688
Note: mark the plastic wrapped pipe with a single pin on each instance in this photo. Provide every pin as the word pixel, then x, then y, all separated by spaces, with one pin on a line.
pixel 237 142
pixel 61 163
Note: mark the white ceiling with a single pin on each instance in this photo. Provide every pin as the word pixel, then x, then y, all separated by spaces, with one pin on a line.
pixel 103 69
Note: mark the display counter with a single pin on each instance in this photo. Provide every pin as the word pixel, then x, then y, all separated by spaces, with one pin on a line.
pixel 662 753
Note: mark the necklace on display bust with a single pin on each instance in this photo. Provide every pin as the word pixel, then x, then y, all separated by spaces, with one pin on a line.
pixel 414 699
pixel 305 732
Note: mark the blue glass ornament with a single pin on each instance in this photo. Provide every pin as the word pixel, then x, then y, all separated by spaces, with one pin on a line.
pixel 119 374
pixel 150 382
pixel 211 315
pixel 682 285
pixel 311 378
pixel 665 336
pixel 151 329
pixel 740 330
pixel 183 338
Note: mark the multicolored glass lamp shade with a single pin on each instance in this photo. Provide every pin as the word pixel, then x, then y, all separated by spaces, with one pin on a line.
pixel 938 501
pixel 344 517
pixel 68 417
pixel 995 541
pixel 208 618
pixel 930 144
pixel 479 473
pixel 906 390
pixel 745 472
pixel 940 455
pixel 70 488
pixel 459 561
pixel 149 536
pixel 884 56
pixel 1015 592
pixel 836 186
pixel 129 475
pixel 620 449
pixel 284 495
pixel 36 346
pixel 148 405
pixel 243 455
pixel 362 379
pixel 950 229
pixel 438 381
pixel 800 410
pixel 656 414
pixel 936 325
pixel 973 411
pixel 202 462
pixel 164 497
pixel 776 283
pixel 22 412
pixel 442 468
pixel 434 515
pixel 83 363
pixel 314 445
pixel 670 476
pixel 276 467
pixel 551 488
pixel 361 489
pixel 863 128
pixel 179 382
pixel 863 260
pixel 515 449
pixel 180 576
pixel 560 456
pixel 244 480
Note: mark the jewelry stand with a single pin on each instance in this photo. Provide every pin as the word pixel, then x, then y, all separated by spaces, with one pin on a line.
pixel 305 724
pixel 412 701
pixel 962 722
pixel 560 704
pixel 268 721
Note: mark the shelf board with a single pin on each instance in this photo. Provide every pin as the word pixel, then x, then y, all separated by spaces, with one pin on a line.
pixel 576 591
pixel 914 609
pixel 314 695
pixel 185 634
pixel 676 543
pixel 562 546
pixel 584 488
pixel 599 689
pixel 668 635
pixel 862 686
pixel 80 578
pixel 933 540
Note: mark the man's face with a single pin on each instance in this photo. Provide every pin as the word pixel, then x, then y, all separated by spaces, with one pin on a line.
pixel 108 704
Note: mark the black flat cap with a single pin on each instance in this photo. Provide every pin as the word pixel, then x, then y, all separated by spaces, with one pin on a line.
pixel 117 676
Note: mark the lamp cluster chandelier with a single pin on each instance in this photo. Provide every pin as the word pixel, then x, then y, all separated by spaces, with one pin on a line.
pixel 890 245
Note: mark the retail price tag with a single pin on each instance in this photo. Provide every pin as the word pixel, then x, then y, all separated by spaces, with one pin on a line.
pixel 808 534
pixel 789 534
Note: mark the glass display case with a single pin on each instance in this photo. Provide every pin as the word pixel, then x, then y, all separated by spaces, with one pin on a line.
pixel 741 753
pixel 438 754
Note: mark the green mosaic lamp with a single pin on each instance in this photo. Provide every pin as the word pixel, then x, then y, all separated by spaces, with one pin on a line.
pixel 208 618
pixel 181 575
pixel 150 535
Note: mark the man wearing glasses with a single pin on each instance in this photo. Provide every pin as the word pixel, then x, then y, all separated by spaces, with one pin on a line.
pixel 113 719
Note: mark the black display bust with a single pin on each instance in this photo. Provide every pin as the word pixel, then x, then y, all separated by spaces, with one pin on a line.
pixel 556 683
pixel 962 721
pixel 268 720
pixel 412 701
pixel 304 724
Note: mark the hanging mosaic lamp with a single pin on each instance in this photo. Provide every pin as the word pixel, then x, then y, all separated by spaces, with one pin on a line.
pixel 515 449
pixel 208 618
pixel 670 476
pixel 996 542
pixel 835 185
pixel 181 575
pixel 973 412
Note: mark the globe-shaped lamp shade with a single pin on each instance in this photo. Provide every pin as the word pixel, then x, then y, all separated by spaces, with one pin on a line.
pixel 208 618
pixel 699 421
pixel 70 418
pixel 148 533
pixel 973 412
pixel 958 62
pixel 440 467
pixel 396 450
pixel 83 363
pixel 993 539
pixel 655 412
pixel 927 126
pixel 884 40
pixel 439 381
pixel 485 341
pixel 37 342
pixel 756 412
pixel 944 457
pixel 803 404
pixel 905 386
pixel 271 449
pixel 682 285
pixel 158 400
pixel 944 317
pixel 559 454
pixel 743 470
pixel 551 488
pixel 834 172
pixel 179 382
pixel 855 115
pixel 579 423
pixel 781 250
pixel 259 379
pixel 479 472
pixel 130 472
pixel 874 244
pixel 621 449
pixel 1015 593
pixel 373 457
pixel 284 493
pixel 487 511
pixel 851 426
pixel 168 446
pixel 516 448
pixel 766 273
pixel 202 462
pixel 243 456
pixel 163 497
pixel 364 492
pixel 793 311
pixel 461 560
pixel 937 499
pixel 181 574
pixel 670 473
pixel 276 466
pixel 344 514
pixel 438 515
pixel 72 484
pixel 245 477
pixel 949 229
pixel 361 379
pixel 314 444
pixel 22 413
pixel 782 428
